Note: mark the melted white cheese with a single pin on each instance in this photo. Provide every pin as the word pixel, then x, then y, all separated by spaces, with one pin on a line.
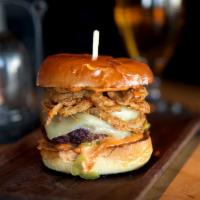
pixel 63 125
pixel 126 114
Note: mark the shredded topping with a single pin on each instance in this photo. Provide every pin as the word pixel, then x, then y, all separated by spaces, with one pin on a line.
pixel 59 101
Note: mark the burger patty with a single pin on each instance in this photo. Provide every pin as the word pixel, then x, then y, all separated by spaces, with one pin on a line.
pixel 77 137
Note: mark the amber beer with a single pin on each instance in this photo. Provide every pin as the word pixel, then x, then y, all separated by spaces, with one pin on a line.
pixel 150 33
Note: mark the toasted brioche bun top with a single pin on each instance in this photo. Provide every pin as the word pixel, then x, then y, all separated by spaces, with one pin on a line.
pixel 76 72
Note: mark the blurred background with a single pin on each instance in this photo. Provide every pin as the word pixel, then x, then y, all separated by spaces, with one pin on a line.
pixel 68 27
pixel 163 33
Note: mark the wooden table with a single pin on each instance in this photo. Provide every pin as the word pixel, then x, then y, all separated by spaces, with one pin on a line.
pixel 182 179
pixel 187 182
pixel 187 95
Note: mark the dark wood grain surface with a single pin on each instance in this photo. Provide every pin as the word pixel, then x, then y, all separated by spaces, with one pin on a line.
pixel 23 176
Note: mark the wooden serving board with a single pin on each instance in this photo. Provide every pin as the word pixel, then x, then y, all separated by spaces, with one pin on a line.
pixel 23 176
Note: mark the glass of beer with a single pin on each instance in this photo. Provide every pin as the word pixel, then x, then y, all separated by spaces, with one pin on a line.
pixel 150 30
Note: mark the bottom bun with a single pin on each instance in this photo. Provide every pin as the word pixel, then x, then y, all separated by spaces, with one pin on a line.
pixel 93 162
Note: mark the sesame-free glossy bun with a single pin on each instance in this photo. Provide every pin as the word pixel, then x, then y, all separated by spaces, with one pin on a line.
pixel 78 71
pixel 110 160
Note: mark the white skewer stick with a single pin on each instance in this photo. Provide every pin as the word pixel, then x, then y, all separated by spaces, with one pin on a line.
pixel 95 46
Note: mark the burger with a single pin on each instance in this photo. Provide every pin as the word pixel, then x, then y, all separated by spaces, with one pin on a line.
pixel 94 114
